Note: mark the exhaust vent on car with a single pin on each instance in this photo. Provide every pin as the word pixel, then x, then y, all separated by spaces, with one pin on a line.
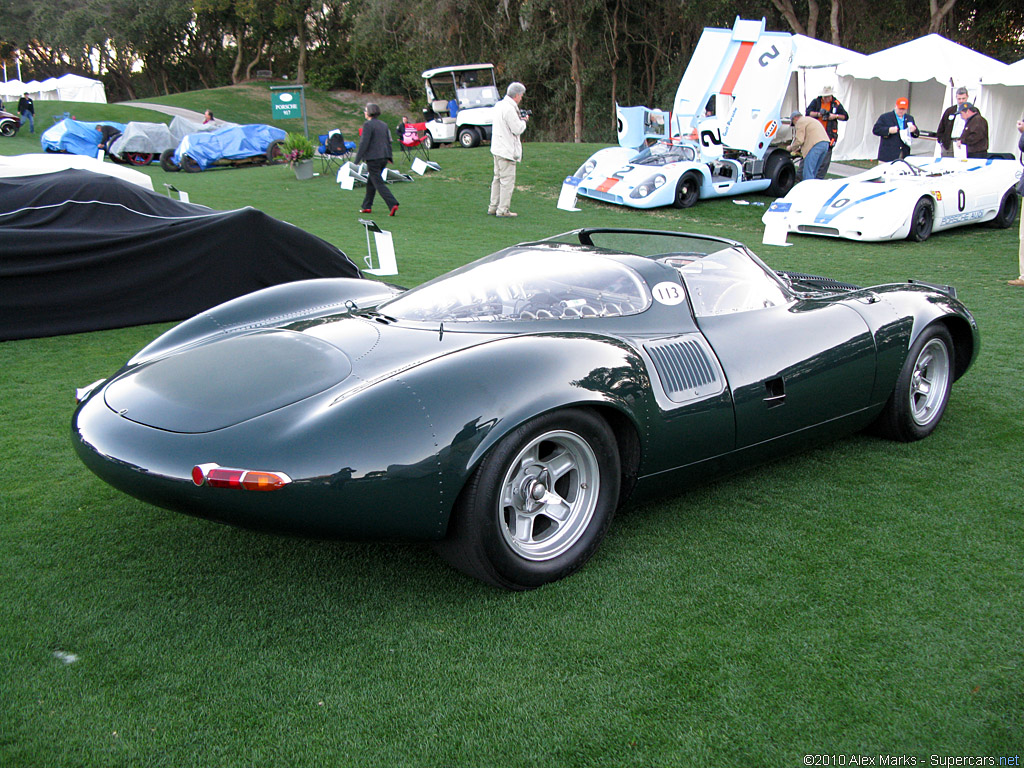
pixel 686 367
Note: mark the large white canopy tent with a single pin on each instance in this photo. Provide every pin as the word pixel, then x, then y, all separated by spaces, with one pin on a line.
pixel 65 88
pixel 1002 104
pixel 927 71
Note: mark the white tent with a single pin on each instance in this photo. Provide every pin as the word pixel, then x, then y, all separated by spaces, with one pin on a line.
pixel 77 88
pixel 1002 104
pixel 12 90
pixel 927 71
pixel 814 67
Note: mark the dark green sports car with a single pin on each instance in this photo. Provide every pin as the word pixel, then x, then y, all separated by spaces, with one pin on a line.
pixel 506 409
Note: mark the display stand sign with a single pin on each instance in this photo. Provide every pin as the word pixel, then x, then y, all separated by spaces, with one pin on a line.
pixel 776 228
pixel 567 197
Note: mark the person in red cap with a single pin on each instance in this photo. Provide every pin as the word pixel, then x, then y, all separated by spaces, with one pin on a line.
pixel 891 128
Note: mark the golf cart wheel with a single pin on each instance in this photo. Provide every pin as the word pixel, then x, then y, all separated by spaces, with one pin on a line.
pixel 275 152
pixel 922 220
pixel 469 138
pixel 139 158
pixel 428 141
pixel 167 161
pixel 189 165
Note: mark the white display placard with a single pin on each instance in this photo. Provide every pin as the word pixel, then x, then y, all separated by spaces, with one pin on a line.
pixel 567 197
pixel 418 166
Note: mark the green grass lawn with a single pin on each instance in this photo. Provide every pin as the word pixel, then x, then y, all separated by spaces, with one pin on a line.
pixel 864 598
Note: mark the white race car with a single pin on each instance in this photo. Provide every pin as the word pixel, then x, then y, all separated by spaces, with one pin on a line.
pixel 717 141
pixel 904 199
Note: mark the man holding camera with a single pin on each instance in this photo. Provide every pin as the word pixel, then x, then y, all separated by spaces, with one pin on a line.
pixel 509 124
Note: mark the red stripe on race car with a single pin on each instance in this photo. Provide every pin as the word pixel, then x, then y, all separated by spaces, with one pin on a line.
pixel 607 184
pixel 737 66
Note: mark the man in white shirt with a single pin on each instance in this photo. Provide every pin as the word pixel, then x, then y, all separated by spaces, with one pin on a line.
pixel 507 149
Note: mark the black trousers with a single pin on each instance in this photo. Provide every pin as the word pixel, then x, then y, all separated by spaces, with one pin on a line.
pixel 375 183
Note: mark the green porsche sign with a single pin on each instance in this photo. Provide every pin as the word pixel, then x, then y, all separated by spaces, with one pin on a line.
pixel 286 103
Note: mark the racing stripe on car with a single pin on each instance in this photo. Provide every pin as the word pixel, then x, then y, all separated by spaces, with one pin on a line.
pixel 607 184
pixel 737 67
pixel 824 216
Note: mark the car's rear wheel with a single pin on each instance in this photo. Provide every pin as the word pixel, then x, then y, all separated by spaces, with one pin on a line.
pixel 139 158
pixel 167 161
pixel 687 191
pixel 922 220
pixel 1007 210
pixel 469 138
pixel 916 405
pixel 9 128
pixel 781 171
pixel 189 165
pixel 539 504
pixel 275 152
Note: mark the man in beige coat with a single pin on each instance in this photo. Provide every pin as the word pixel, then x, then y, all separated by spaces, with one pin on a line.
pixel 507 149
pixel 811 141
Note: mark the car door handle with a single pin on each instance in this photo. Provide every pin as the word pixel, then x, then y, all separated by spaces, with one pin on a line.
pixel 776 392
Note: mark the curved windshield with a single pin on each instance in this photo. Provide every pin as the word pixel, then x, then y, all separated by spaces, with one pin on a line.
pixel 528 284
pixel 726 281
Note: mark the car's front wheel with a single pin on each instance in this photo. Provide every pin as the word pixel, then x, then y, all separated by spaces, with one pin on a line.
pixel 1007 210
pixel 275 152
pixel 922 220
pixel 687 191
pixel 539 504
pixel 167 161
pixel 916 405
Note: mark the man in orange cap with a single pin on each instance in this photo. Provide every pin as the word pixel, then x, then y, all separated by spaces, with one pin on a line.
pixel 894 130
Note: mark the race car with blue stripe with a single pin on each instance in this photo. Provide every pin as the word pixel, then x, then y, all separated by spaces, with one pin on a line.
pixel 905 199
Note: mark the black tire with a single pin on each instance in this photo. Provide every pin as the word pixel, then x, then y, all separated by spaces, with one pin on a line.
pixel 9 128
pixel 781 170
pixel 1007 210
pixel 275 152
pixel 503 530
pixel 469 138
pixel 167 161
pixel 189 165
pixel 687 191
pixel 919 399
pixel 922 220
pixel 428 141
pixel 116 159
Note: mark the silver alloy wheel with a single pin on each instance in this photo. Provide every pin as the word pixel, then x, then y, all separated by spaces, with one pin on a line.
pixel 549 495
pixel 929 382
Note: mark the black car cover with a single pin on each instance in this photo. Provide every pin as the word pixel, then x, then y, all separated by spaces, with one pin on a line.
pixel 82 251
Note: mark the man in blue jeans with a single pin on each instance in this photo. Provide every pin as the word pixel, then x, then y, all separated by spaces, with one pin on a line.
pixel 27 110
pixel 811 141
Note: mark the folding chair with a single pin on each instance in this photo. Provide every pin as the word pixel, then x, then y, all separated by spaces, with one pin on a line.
pixel 412 141
pixel 333 150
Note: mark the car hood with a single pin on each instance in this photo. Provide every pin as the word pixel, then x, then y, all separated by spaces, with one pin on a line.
pixel 230 380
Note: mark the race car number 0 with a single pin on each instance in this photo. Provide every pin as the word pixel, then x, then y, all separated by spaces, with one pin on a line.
pixel 668 294
pixel 961 199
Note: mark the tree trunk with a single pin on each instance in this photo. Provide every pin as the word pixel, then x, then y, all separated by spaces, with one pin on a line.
pixel 938 14
pixel 255 59
pixel 577 81
pixel 236 69
pixel 300 67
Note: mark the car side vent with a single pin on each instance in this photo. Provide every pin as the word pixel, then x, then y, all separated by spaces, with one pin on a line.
pixel 686 368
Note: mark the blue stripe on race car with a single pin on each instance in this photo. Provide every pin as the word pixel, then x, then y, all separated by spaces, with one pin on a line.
pixel 824 216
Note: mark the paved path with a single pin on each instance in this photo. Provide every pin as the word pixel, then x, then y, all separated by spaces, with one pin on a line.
pixel 838 169
pixel 188 114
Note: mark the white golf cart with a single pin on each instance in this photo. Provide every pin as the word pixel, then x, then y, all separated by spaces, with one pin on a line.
pixel 460 101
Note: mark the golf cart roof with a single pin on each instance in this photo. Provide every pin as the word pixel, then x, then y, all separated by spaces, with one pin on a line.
pixel 457 68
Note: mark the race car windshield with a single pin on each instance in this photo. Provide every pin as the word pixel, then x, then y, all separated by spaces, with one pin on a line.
pixel 529 284
pixel 663 153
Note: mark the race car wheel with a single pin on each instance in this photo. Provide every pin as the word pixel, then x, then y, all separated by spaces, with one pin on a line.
pixel 917 403
pixel 428 141
pixel 779 168
pixel 167 161
pixel 275 152
pixel 687 191
pixel 1007 210
pixel 139 158
pixel 9 128
pixel 539 504
pixel 469 138
pixel 922 220
pixel 189 165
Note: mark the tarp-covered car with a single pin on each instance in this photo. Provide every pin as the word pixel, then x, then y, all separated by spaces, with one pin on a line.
pixel 76 137
pixel 505 410
pixel 253 144
pixel 84 251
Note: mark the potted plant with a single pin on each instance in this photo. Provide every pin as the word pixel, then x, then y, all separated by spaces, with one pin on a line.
pixel 299 151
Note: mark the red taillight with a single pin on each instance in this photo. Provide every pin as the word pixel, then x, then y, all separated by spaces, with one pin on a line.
pixel 216 476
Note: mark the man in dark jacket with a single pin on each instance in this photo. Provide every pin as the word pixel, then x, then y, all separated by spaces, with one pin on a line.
pixel 889 127
pixel 950 124
pixel 27 110
pixel 375 150
pixel 975 135
pixel 827 110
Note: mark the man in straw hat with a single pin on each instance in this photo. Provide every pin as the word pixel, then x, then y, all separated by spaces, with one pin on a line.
pixel 827 109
